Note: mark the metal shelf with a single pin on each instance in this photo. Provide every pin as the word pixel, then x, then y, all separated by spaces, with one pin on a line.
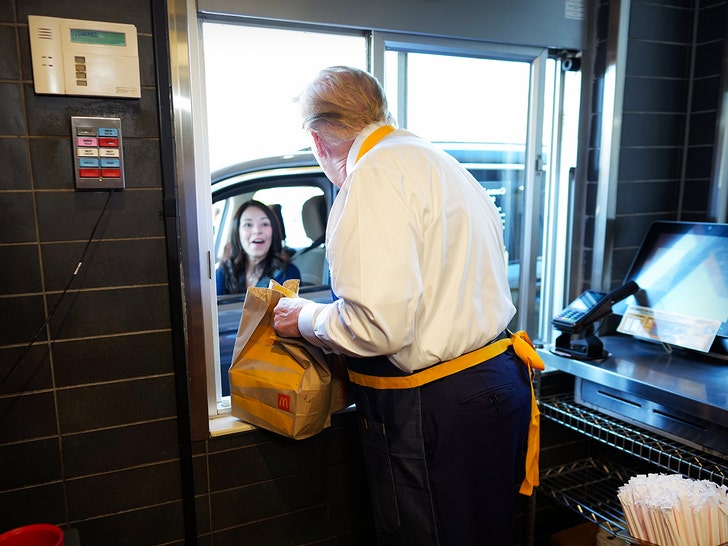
pixel 589 488
pixel 666 454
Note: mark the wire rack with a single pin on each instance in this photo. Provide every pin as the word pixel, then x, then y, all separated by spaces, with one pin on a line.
pixel 666 454
pixel 589 487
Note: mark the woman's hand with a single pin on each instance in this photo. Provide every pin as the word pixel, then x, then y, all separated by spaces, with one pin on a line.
pixel 285 316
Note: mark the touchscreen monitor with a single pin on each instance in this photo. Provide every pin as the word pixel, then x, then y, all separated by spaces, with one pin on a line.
pixel 682 268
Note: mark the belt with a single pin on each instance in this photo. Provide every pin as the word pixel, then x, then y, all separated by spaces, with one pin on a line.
pixel 524 349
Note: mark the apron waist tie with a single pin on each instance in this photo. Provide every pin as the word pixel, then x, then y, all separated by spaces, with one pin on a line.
pixel 524 349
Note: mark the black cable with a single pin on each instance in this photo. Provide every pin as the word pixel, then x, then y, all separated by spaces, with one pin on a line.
pixel 63 294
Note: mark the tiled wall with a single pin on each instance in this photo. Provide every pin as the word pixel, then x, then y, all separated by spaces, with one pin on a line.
pixel 671 97
pixel 88 425
pixel 88 416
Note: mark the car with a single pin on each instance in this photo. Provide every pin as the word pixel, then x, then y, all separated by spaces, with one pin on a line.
pixel 296 188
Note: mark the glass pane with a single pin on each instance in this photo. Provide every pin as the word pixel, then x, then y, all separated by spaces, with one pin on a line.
pixel 252 78
pixel 477 109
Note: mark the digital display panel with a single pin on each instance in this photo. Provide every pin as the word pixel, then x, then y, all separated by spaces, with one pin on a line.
pixel 682 268
pixel 97 37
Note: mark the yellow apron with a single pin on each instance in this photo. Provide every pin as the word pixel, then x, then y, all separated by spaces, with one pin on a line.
pixel 522 346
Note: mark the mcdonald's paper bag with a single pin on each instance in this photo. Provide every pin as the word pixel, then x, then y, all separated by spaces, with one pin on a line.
pixel 285 385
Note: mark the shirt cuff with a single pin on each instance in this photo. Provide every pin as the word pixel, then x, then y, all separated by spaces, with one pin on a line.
pixel 307 321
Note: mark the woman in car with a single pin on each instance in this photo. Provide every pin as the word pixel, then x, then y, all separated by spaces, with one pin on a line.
pixel 254 254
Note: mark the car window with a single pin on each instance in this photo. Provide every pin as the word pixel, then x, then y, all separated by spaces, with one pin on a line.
pixel 302 212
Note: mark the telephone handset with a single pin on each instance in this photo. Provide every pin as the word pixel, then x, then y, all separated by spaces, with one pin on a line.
pixel 576 321
pixel 580 312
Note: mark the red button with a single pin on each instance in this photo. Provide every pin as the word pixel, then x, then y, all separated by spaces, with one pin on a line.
pixel 111 173
pixel 109 142
pixel 88 173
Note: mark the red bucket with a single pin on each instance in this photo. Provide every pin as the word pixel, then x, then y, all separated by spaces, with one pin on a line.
pixel 39 534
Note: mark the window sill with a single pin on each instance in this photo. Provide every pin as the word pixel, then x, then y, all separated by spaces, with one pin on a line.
pixel 227 424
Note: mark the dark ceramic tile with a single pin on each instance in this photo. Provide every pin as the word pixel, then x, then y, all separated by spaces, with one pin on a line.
pixel 127 446
pixel 696 195
pixel 342 444
pixel 630 230
pixel 112 358
pixel 712 21
pixel 264 462
pixel 269 499
pixel 706 93
pixel 9 68
pixel 20 271
pixel 700 162
pixel 17 221
pixel 657 60
pixel 108 312
pixel 650 163
pixel 27 416
pixel 153 525
pixel 21 318
pixel 108 494
pixel 25 368
pixel 147 65
pixel 12 122
pixel 7 12
pixel 703 128
pixel 304 527
pixel 46 503
pixel 65 216
pixel 50 115
pixel 202 513
pixel 708 59
pixel 52 161
pixel 88 408
pixel 20 466
pixel 351 515
pixel 648 197
pixel 201 474
pixel 655 95
pixel 26 64
pixel 660 23
pixel 142 166
pixel 14 159
pixel 653 129
pixel 107 263
pixel 342 480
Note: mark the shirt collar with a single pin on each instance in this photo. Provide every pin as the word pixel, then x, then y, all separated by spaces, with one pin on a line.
pixel 358 141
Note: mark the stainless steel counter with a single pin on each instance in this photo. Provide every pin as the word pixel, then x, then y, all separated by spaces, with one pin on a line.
pixel 677 394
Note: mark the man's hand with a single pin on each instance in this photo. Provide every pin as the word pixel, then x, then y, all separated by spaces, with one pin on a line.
pixel 285 316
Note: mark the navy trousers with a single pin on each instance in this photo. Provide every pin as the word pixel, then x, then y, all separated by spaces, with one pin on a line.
pixel 444 461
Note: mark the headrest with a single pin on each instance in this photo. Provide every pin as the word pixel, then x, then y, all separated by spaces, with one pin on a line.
pixel 314 217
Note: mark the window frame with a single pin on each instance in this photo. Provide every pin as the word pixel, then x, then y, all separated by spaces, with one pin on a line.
pixel 194 198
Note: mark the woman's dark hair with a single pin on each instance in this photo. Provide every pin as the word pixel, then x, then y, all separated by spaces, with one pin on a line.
pixel 235 265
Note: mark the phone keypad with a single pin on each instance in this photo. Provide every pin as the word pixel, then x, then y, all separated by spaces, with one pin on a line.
pixel 97 153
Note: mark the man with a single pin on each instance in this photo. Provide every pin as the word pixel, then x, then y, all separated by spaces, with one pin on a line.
pixel 418 268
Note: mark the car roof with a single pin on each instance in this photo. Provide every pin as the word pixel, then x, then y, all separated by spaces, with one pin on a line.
pixel 294 160
pixel 463 152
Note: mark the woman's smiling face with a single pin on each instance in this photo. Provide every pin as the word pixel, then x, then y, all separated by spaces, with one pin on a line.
pixel 256 233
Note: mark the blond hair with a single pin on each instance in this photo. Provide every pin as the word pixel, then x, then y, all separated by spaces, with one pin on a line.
pixel 341 101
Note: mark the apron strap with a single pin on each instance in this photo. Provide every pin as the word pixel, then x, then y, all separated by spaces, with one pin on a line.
pixel 373 139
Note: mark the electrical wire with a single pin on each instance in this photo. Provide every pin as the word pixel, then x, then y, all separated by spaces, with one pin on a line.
pixel 63 294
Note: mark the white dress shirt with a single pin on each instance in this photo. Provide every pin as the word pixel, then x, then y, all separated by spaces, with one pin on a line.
pixel 415 247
